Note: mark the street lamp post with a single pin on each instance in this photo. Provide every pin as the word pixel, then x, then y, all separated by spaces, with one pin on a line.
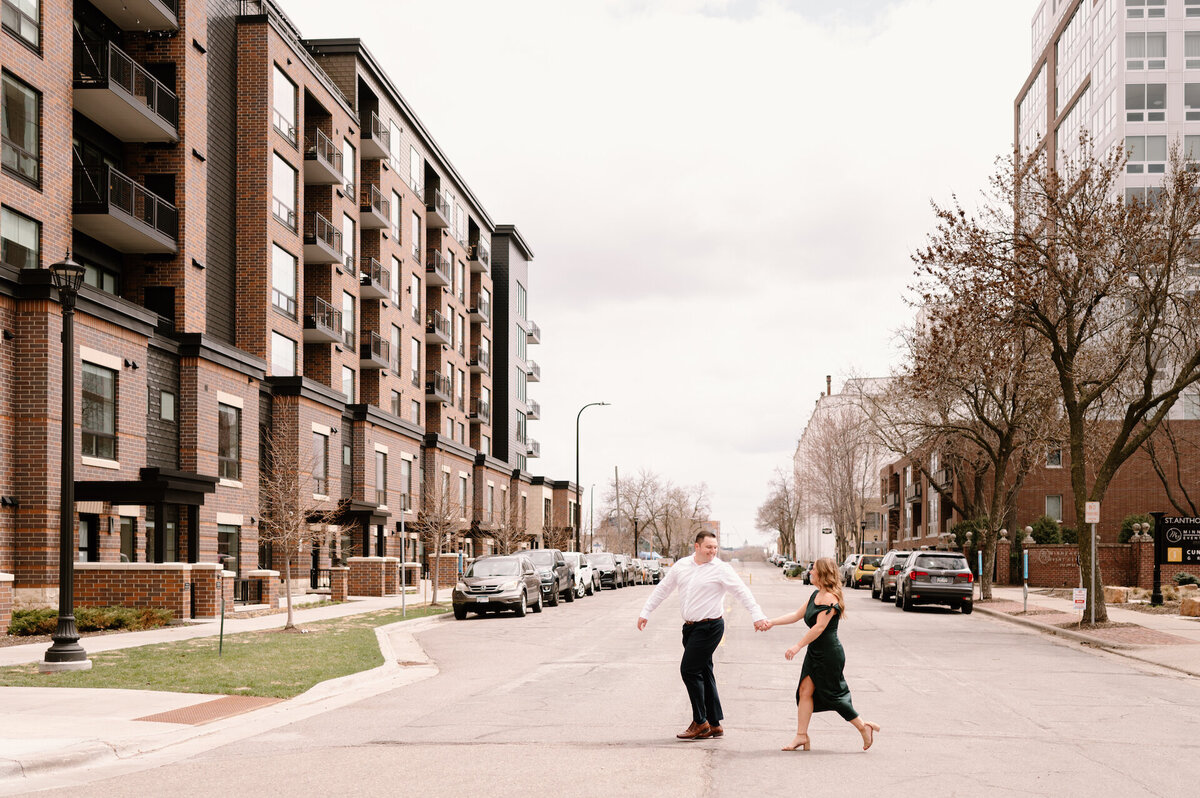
pixel 635 536
pixel 578 502
pixel 66 654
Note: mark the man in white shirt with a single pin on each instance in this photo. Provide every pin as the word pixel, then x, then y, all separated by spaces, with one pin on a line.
pixel 702 579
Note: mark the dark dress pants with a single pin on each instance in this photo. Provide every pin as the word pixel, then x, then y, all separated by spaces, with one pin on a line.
pixel 700 640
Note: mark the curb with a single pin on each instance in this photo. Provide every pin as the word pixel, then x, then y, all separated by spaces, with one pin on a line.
pixel 1078 637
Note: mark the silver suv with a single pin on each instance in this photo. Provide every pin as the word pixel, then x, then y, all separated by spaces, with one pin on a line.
pixel 936 577
pixel 884 584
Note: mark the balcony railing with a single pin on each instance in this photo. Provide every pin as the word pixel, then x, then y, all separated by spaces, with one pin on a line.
pixel 322 160
pixel 481 360
pixel 437 210
pixel 437 269
pixel 112 207
pixel 322 322
pixel 481 257
pixel 376 139
pixel 376 352
pixel 535 371
pixel 534 334
pixel 481 411
pixel 121 95
pixel 438 329
pixel 533 448
pixel 375 282
pixel 286 127
pixel 438 387
pixel 141 15
pixel 375 209
pixel 534 410
pixel 322 240
pixel 481 308
pixel 912 492
pixel 891 500
pixel 941 477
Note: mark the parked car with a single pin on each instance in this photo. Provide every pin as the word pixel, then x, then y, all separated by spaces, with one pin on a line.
pixel 494 584
pixel 936 577
pixel 846 568
pixel 806 576
pixel 655 571
pixel 641 574
pixel 625 576
pixel 883 584
pixel 607 571
pixel 586 580
pixel 864 570
pixel 557 579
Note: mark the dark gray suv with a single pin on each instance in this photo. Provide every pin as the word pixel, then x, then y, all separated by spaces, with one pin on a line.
pixel 493 584
pixel 557 577
pixel 884 584
pixel 936 577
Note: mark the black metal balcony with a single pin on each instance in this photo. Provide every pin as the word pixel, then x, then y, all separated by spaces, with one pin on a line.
pixel 117 93
pixel 141 15
pixel 481 412
pixel 535 371
pixel 376 352
pixel 322 241
pixel 375 282
pixel 481 309
pixel 115 209
pixel 534 334
pixel 438 214
pixel 438 388
pixel 481 257
pixel 480 361
pixel 376 139
pixel 322 161
pixel 437 269
pixel 322 322
pixel 437 329
pixel 374 209
pixel 533 410
pixel 912 493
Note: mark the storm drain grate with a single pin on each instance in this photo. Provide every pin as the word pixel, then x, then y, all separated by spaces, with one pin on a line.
pixel 208 711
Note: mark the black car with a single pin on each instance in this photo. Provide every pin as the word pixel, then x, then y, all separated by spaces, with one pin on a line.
pixel 624 571
pixel 555 573
pixel 606 566
pixel 495 584
pixel 936 577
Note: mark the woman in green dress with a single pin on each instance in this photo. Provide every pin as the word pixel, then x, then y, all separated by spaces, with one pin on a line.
pixel 822 687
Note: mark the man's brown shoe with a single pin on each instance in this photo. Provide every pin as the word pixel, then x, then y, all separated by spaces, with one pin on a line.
pixel 696 731
pixel 714 732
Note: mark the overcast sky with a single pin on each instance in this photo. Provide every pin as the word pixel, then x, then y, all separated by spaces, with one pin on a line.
pixel 722 197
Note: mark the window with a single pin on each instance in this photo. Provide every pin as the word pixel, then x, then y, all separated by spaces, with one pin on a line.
pixel 381 479
pixel 489 502
pixel 462 433
pixel 450 428
pixel 128 525
pixel 321 463
pixel 348 326
pixel 485 444
pixel 1141 9
pixel 99 277
pixel 21 20
pixel 933 463
pixel 20 123
pixel 347 455
pixel 415 410
pixel 1145 102
pixel 459 388
pixel 1191 101
pixel 396 403
pixel 414 362
pixel 20 239
pixel 99 418
pixel 1054 458
pixel 348 242
pixel 520 427
pixel 228 546
pixel 283 191
pixel 416 236
pixel 1191 45
pixel 460 333
pixel 394 144
pixel 394 285
pixel 406 482
pixel 349 167
pixel 462 281
pixel 1054 507
pixel 394 215
pixel 166 405
pixel 283 105
pixel 1191 406
pixel 1193 7
pixel 522 385
pixel 229 435
pixel 283 356
pixel 416 170
pixel 415 290
pixel 1146 50
pixel 464 500
pixel 348 383
pixel 283 280
pixel 1147 154
pixel 395 346
pixel 522 345
pixel 522 302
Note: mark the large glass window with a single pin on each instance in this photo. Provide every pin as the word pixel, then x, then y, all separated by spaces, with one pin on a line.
pixel 348 242
pixel 395 345
pixel 228 545
pixel 394 215
pixel 416 170
pixel 1054 507
pixel 283 105
pixel 349 167
pixel 229 436
pixel 381 484
pixel 1191 101
pixel 348 325
pixel 19 240
pixel 416 236
pixel 394 145
pixel 522 302
pixel 1147 154
pixel 20 121
pixel 283 356
pixel 394 284
pixel 1191 48
pixel 321 463
pixel 1145 102
pixel 21 19
pixel 414 361
pixel 1142 9
pixel 1146 50
pixel 348 383
pixel 406 483
pixel 99 418
pixel 415 290
pixel 283 280
pixel 283 191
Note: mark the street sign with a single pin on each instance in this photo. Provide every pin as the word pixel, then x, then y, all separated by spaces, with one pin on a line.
pixel 1080 596
pixel 826 531
pixel 1091 512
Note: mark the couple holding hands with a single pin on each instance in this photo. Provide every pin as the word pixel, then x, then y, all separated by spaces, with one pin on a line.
pixel 702 580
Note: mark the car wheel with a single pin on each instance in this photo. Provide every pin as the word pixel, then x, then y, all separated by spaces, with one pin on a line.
pixel 570 593
pixel 874 592
pixel 968 607
pixel 522 606
pixel 590 589
pixel 553 602
pixel 906 604
pixel 538 607
pixel 897 597
pixel 460 612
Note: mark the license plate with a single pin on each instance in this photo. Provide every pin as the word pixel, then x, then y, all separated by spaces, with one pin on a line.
pixel 481 600
pixel 941 580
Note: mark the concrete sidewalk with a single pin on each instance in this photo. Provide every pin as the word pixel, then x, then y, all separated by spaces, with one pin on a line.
pixel 1169 641
pixel 48 733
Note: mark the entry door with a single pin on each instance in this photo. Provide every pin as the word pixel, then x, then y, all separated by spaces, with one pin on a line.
pixel 89 539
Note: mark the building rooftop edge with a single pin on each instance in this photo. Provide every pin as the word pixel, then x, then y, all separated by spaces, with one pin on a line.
pixel 512 232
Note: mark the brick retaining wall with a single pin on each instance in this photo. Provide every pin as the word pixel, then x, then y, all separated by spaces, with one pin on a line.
pixel 165 585
pixel 6 602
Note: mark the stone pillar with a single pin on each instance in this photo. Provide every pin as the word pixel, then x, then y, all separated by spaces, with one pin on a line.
pixel 1003 560
pixel 391 576
pixel 367 576
pixel 268 586
pixel 208 577
pixel 6 601
pixel 448 571
pixel 412 573
pixel 1143 561
pixel 339 583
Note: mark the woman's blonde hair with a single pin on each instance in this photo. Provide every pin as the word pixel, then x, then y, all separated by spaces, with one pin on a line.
pixel 826 577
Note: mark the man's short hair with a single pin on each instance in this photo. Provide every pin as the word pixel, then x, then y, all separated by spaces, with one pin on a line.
pixel 705 534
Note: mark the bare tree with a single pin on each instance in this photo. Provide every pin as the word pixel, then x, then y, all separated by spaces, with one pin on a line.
pixel 289 516
pixel 1175 457
pixel 508 528
pixel 780 512
pixel 684 511
pixel 641 497
pixel 441 516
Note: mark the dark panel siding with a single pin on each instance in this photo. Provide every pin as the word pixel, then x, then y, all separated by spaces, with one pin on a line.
pixel 504 349
pixel 162 435
pixel 222 167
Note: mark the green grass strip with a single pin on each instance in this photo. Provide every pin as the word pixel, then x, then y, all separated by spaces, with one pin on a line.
pixel 270 663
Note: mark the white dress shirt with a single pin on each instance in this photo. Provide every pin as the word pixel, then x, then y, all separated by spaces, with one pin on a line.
pixel 702 589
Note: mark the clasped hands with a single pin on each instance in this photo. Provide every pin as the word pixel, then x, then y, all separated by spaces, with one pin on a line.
pixel 764 625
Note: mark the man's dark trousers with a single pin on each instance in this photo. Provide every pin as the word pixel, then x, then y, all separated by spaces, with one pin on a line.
pixel 700 640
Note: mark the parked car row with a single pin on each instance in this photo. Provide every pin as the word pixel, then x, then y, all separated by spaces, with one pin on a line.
pixel 925 577
pixel 859 569
pixel 533 578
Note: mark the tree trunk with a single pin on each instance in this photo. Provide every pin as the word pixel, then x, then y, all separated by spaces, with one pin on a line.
pixel 287 587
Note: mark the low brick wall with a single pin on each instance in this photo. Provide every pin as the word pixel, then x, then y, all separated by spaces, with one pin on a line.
pixel 269 586
pixel 367 575
pixel 391 576
pixel 412 573
pixel 166 585
pixel 209 588
pixel 448 572
pixel 1057 565
pixel 6 601
pixel 339 583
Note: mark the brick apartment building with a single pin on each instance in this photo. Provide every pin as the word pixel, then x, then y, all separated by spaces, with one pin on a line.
pixel 274 243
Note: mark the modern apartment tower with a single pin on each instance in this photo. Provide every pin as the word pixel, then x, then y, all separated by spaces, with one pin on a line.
pixel 276 249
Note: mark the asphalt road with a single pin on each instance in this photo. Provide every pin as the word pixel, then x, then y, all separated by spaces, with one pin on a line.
pixel 576 702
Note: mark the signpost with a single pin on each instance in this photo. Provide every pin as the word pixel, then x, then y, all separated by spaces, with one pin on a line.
pixel 1091 515
pixel 1079 595
pixel 1176 542
pixel 1025 578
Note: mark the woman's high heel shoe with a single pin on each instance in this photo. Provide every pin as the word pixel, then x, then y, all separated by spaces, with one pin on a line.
pixel 800 741
pixel 869 729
